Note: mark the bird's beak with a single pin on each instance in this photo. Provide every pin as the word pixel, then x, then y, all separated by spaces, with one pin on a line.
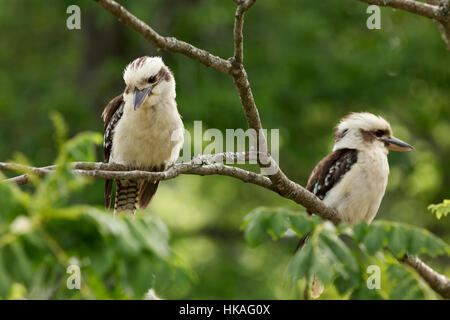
pixel 140 95
pixel 397 144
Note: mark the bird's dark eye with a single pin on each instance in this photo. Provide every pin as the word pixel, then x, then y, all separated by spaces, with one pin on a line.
pixel 152 79
pixel 379 133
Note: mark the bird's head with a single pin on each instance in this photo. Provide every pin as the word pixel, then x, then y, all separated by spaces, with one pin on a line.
pixel 366 131
pixel 148 82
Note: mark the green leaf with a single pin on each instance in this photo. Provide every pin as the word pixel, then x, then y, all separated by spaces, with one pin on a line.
pixel 149 236
pixel 418 240
pixel 9 204
pixel 441 209
pixel 117 228
pixel 275 222
pixel 262 221
pixel 120 256
pixel 301 263
pixel 435 246
pixel 18 291
pixel 139 274
pixel 22 264
pixel 341 251
pixel 415 240
pixel 5 279
pixel 321 265
pixel 398 240
pixel 423 241
pixel 405 286
pixel 325 256
pixel 102 260
pixel 255 230
pixel 60 128
pixel 364 293
pixel 303 224
pixel 278 224
pixel 344 285
pixel 82 146
pixel 360 231
pixel 407 289
pixel 375 237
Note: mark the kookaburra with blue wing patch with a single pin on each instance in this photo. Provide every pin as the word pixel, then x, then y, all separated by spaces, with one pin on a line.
pixel 142 129
pixel 353 178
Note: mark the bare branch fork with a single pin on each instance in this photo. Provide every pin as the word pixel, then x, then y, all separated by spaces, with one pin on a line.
pixel 438 10
pixel 431 11
pixel 208 165
pixel 444 24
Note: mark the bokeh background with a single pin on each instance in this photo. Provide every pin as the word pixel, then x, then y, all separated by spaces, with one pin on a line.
pixel 309 63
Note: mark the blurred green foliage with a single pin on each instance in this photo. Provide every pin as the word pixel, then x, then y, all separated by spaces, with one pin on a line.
pixel 309 63
pixel 42 235
pixel 345 264
pixel 441 209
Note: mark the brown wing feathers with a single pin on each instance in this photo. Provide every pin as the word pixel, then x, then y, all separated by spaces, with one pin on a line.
pixel 327 173
pixel 111 116
pixel 330 171
pixel 146 192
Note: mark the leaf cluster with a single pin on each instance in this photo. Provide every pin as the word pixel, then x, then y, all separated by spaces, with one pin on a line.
pixel 340 255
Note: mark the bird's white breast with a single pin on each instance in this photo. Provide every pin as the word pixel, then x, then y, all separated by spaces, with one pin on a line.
pixel 149 136
pixel 358 195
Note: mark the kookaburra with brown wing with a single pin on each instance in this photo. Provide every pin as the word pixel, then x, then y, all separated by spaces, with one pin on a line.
pixel 353 178
pixel 142 129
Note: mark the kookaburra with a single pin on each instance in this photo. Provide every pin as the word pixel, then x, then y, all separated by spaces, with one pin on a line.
pixel 353 178
pixel 142 129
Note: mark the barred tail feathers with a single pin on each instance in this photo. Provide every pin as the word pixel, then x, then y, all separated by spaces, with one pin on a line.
pixel 126 196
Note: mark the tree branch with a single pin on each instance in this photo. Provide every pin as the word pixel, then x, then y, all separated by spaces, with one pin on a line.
pixel 443 26
pixel 285 186
pixel 201 165
pixel 412 6
pixel 211 165
pixel 165 43
pixel 277 182
pixel 438 10
pixel 25 178
pixel 243 6
pixel 438 282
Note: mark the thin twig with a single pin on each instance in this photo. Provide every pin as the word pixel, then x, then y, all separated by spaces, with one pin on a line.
pixel 443 25
pixel 286 187
pixel 165 43
pixel 438 10
pixel 412 6
pixel 238 29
